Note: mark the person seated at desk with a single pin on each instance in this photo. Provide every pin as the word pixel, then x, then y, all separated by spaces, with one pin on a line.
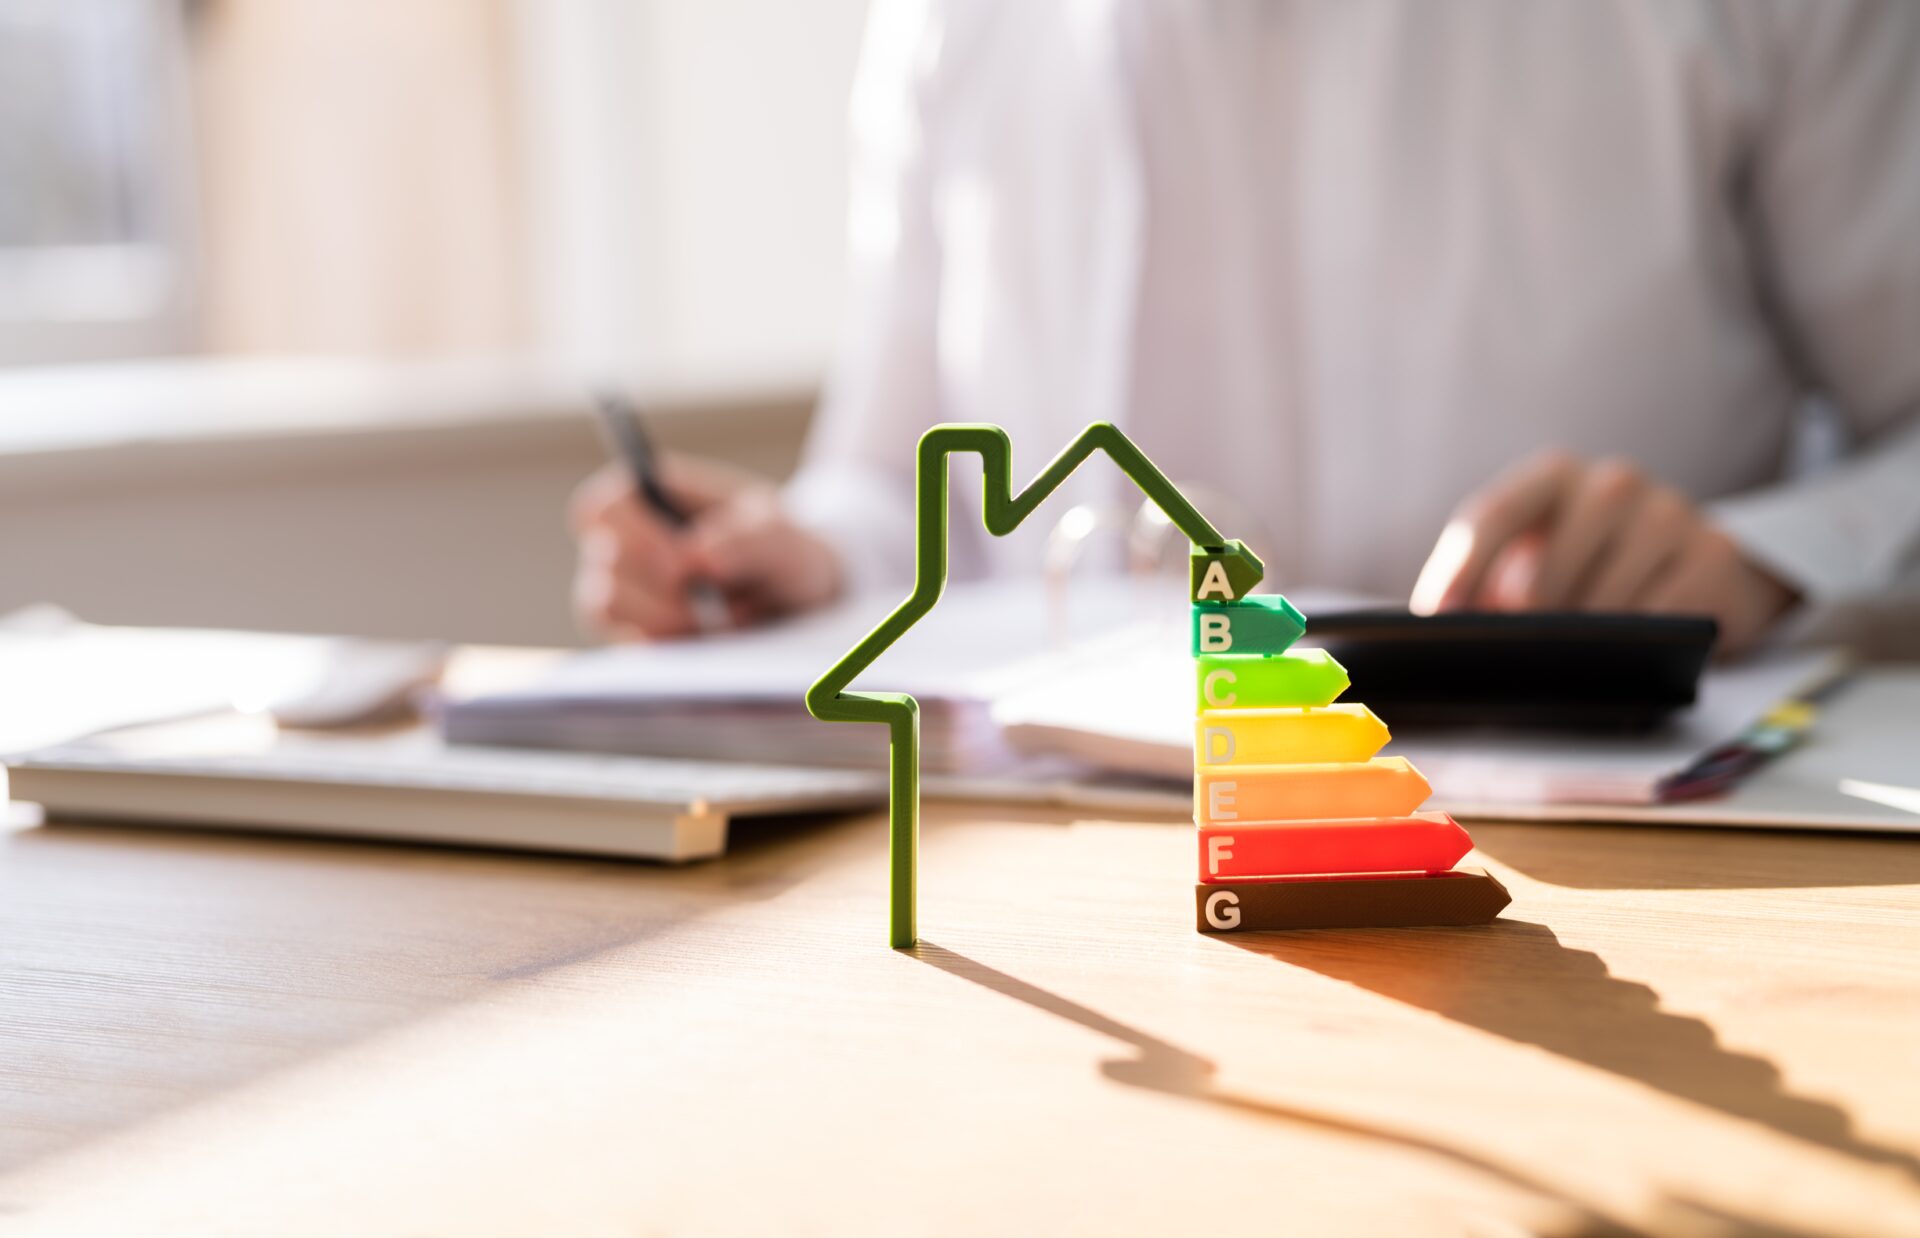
pixel 1581 264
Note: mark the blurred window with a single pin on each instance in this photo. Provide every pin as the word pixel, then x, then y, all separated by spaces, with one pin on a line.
pixel 94 178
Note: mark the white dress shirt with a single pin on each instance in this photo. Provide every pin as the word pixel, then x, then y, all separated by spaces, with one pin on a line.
pixel 1343 261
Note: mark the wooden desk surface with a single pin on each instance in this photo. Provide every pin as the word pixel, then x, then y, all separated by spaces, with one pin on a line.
pixel 1676 1031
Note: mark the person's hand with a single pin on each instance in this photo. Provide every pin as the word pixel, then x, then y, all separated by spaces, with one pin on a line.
pixel 1560 533
pixel 640 577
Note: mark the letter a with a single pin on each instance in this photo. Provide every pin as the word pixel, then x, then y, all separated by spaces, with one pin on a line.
pixel 1215 581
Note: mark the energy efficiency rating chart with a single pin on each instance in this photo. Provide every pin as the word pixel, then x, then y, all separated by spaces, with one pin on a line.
pixel 1302 824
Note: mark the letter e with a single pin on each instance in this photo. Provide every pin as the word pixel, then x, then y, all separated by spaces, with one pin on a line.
pixel 1220 801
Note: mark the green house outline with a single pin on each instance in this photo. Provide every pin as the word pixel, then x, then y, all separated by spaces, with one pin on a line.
pixel 1002 511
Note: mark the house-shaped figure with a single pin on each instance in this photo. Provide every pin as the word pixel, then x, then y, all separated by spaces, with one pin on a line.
pixel 1218 565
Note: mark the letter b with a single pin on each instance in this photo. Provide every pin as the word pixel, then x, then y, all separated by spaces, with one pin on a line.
pixel 1216 634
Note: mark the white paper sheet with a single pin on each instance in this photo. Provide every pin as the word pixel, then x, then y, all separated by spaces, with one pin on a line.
pixel 1127 704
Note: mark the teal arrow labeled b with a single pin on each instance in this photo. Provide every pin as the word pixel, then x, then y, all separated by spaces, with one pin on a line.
pixel 1264 623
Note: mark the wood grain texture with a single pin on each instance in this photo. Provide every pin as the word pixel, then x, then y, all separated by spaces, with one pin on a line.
pixel 1669 1031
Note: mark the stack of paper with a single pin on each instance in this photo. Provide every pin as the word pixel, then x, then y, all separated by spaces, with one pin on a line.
pixel 739 696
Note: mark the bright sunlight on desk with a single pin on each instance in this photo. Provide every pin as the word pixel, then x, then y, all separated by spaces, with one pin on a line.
pixel 483 1043
pixel 456 1032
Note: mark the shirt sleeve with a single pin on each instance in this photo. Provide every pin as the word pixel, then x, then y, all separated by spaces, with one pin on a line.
pixel 1835 201
pixel 855 483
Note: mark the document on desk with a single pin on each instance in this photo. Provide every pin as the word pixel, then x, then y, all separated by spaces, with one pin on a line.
pixel 1123 703
pixel 739 696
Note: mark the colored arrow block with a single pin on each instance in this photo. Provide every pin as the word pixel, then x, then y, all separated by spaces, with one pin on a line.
pixel 1249 681
pixel 1287 736
pixel 1232 794
pixel 1264 623
pixel 1222 573
pixel 1426 842
pixel 1465 896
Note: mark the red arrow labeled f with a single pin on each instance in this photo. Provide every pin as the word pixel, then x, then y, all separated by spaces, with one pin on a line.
pixel 1426 842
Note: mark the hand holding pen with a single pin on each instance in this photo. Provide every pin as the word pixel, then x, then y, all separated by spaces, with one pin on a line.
pixel 674 546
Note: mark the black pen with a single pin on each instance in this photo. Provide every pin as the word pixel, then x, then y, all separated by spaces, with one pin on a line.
pixel 626 437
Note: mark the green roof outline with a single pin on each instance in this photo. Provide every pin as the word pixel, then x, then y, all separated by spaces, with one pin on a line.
pixel 1002 512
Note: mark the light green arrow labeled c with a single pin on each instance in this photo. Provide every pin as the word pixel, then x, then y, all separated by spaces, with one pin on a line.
pixel 1250 681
